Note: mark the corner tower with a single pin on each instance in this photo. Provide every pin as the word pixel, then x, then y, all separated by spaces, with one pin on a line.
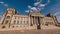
pixel 54 18
pixel 7 16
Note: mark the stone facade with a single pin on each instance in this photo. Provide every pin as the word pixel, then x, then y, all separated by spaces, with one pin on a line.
pixel 35 20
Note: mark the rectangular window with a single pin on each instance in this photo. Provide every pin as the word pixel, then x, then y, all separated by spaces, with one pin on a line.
pixel 26 22
pixel 20 22
pixel 25 19
pixel 18 17
pixel 6 21
pixel 17 22
pixel 15 17
pixel 23 22
pixel 14 21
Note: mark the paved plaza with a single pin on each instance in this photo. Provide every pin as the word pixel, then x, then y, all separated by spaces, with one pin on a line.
pixel 47 31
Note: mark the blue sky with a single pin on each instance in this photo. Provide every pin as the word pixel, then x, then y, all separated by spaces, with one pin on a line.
pixel 45 6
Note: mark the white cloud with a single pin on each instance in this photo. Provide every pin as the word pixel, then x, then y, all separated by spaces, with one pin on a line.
pixel 1 2
pixel 34 8
pixel 57 13
pixel 42 5
pixel 29 6
pixel 4 4
pixel 58 18
pixel 39 9
pixel 39 5
pixel 31 9
pixel 36 4
pixel 28 11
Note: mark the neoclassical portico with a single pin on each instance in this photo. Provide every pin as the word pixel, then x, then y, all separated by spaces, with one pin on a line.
pixel 36 19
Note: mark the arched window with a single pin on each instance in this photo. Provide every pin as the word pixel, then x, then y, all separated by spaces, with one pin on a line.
pixel 6 21
pixel 8 17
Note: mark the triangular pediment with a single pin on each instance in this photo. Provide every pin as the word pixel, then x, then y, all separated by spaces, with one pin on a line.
pixel 37 14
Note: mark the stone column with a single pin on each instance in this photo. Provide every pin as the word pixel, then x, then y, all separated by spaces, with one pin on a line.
pixel 34 20
pixel 37 21
pixel 31 21
pixel 40 22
